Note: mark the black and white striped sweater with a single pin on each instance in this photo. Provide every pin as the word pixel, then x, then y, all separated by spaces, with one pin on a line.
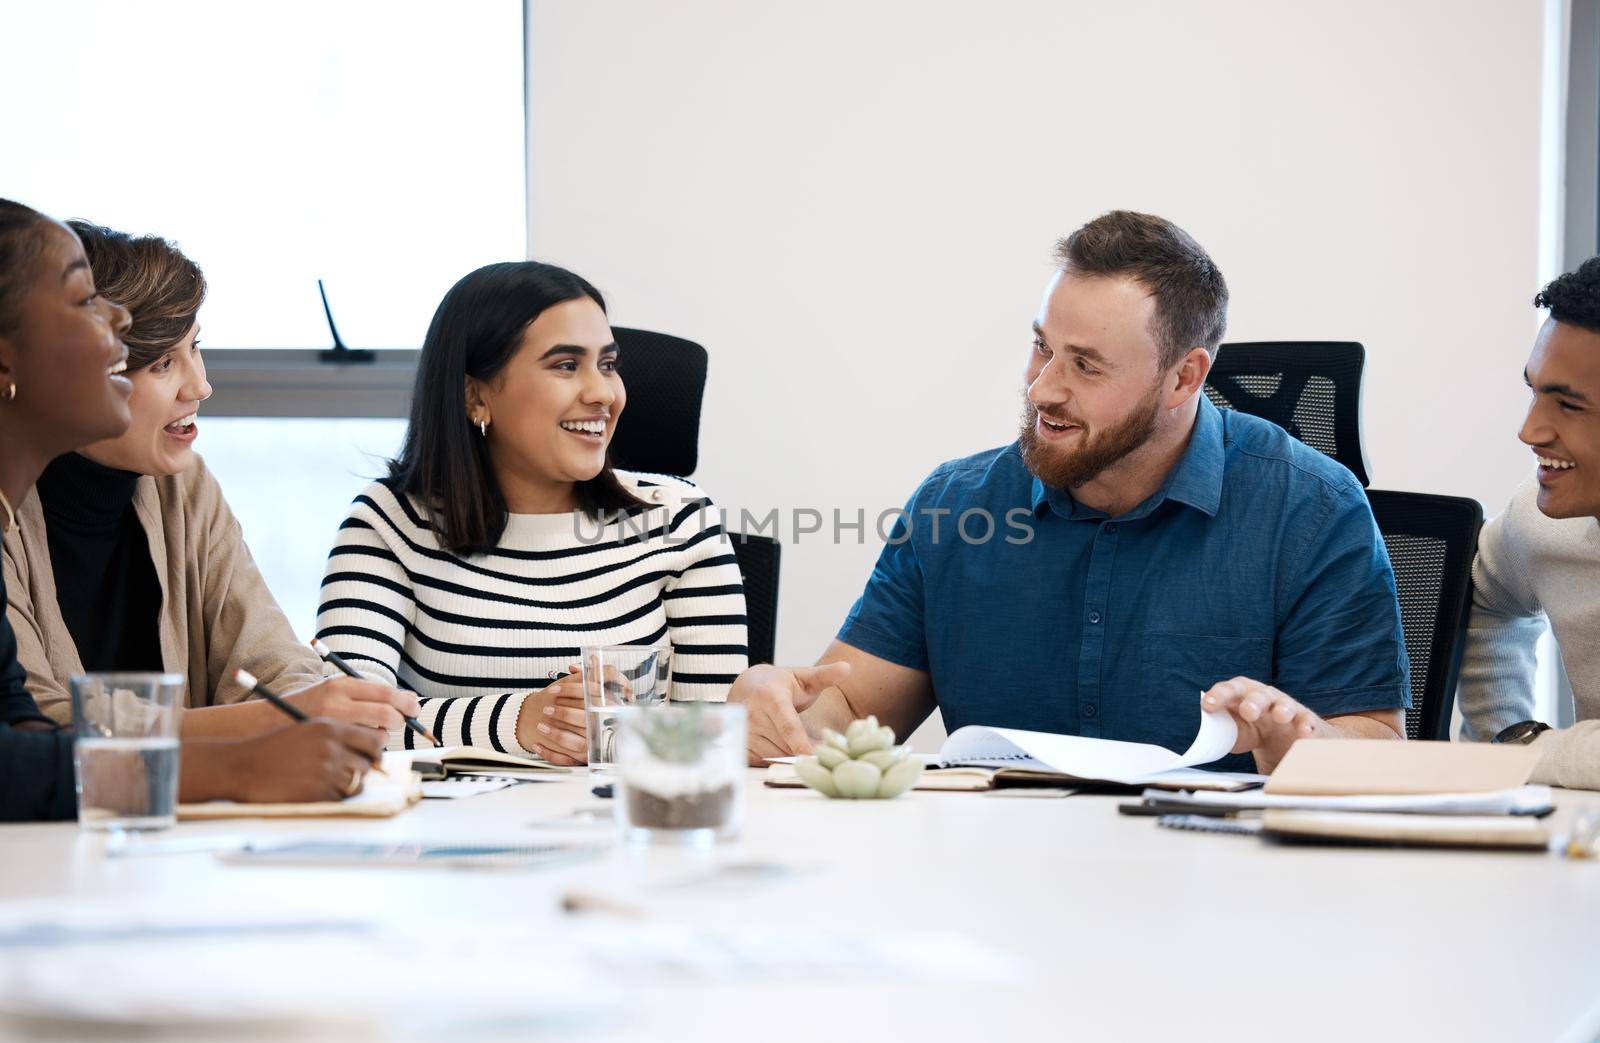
pixel 472 636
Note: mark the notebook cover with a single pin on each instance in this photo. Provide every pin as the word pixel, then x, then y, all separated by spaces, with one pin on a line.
pixel 1360 767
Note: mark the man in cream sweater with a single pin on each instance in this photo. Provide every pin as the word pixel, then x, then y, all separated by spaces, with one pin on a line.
pixel 1540 559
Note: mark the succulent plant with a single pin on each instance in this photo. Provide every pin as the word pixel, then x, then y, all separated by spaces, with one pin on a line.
pixel 675 733
pixel 863 763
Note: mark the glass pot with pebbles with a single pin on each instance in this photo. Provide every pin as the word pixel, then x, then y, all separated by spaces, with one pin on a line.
pixel 863 763
pixel 680 772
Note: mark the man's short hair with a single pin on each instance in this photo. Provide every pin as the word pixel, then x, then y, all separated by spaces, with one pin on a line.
pixel 1190 294
pixel 1574 298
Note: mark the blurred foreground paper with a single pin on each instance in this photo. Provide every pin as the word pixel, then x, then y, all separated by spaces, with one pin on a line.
pixel 105 971
pixel 97 970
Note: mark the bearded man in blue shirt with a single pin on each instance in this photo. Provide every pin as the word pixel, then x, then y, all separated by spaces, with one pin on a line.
pixel 1134 556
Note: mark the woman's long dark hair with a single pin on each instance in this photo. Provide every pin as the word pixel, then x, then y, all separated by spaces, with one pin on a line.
pixel 443 462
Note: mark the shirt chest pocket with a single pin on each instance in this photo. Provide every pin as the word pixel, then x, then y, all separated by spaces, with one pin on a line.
pixel 1191 663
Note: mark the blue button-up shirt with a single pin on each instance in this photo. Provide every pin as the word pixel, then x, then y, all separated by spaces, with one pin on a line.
pixel 1258 556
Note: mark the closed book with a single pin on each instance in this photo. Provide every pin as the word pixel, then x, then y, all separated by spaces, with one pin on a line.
pixel 1402 830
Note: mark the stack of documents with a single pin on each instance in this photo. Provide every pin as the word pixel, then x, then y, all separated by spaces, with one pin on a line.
pixel 1369 791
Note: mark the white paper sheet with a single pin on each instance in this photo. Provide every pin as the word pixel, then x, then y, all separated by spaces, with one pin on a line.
pixel 459 786
pixel 1107 760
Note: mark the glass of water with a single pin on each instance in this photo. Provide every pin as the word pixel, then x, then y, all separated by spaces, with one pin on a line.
pixel 615 676
pixel 127 749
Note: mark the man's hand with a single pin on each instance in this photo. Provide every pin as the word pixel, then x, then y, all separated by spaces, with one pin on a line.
pixel 358 701
pixel 1269 721
pixel 552 723
pixel 774 697
pixel 301 763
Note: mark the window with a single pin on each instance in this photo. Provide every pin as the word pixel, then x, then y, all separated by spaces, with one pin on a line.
pixel 290 482
pixel 379 146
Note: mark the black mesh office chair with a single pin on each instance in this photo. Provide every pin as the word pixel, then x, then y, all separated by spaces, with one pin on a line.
pixel 666 381
pixel 1431 542
pixel 660 434
pixel 758 564
pixel 1312 389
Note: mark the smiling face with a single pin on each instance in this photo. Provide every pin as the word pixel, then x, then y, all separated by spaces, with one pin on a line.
pixel 165 403
pixel 1094 389
pixel 1563 424
pixel 554 407
pixel 65 355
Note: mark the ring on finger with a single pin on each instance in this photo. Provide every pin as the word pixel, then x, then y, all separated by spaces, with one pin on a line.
pixel 354 784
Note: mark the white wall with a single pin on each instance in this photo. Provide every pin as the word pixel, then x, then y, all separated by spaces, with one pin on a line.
pixel 852 205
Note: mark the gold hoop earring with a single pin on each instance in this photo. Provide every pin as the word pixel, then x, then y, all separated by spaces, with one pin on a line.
pixel 483 428
pixel 11 391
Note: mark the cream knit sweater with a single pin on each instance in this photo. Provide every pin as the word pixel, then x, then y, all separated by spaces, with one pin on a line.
pixel 1532 569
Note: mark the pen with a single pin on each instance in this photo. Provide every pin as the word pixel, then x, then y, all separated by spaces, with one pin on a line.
pixel 248 680
pixel 338 661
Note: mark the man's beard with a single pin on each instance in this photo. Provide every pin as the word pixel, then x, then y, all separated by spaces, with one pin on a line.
pixel 1070 468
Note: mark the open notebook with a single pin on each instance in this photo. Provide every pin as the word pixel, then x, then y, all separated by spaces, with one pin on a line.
pixel 381 796
pixel 1017 756
pixel 475 760
pixel 980 758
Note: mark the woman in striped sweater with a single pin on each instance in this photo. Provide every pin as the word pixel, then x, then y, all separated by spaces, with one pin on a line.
pixel 502 540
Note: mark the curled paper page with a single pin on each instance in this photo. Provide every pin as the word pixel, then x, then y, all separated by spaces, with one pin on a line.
pixel 1107 760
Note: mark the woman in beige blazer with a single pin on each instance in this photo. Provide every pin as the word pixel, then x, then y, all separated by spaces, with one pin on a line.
pixel 126 556
pixel 61 386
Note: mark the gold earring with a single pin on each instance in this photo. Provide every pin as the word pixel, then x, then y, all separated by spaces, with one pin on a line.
pixel 11 391
pixel 483 427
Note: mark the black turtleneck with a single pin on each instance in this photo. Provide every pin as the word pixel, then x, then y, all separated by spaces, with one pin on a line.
pixel 105 581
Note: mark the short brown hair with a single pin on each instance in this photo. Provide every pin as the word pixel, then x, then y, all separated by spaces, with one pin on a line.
pixel 161 288
pixel 1190 294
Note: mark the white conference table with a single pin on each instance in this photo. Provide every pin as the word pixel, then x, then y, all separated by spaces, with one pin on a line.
pixel 1111 928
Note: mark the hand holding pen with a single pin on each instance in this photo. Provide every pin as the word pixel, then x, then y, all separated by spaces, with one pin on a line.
pixel 357 700
pixel 347 751
pixel 408 713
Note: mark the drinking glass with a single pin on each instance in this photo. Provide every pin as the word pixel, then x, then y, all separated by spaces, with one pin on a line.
pixel 680 772
pixel 616 676
pixel 127 749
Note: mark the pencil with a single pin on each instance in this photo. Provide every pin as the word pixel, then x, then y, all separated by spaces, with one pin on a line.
pixel 339 663
pixel 248 680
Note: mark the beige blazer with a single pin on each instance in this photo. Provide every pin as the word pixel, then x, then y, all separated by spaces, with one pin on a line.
pixel 217 615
